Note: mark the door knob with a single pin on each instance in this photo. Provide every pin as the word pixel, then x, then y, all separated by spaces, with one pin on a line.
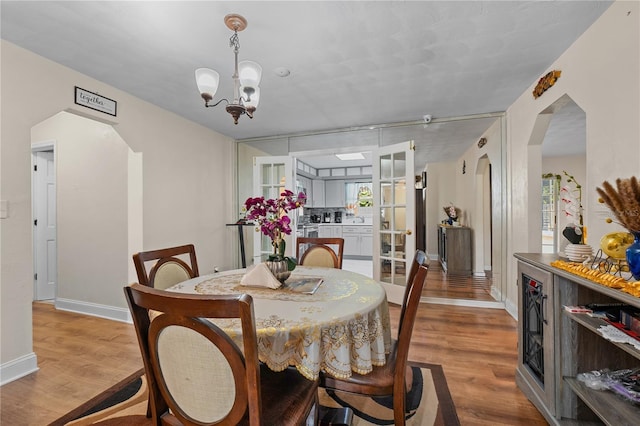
pixel 408 232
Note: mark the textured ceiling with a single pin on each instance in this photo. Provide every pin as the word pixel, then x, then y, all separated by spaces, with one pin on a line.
pixel 353 64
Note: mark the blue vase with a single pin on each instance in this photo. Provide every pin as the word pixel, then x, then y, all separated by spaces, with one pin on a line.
pixel 633 255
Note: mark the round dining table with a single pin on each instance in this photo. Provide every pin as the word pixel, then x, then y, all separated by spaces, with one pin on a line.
pixel 340 327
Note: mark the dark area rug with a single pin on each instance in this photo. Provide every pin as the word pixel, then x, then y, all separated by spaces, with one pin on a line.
pixel 429 403
pixel 130 391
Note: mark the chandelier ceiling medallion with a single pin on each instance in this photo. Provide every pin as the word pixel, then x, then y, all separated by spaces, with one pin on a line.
pixel 246 77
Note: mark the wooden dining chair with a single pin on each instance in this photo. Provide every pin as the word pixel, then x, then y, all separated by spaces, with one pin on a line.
pixel 392 378
pixel 320 252
pixel 168 268
pixel 197 375
pixel 419 258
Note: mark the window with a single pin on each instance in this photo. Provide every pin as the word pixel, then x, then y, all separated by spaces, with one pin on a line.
pixel 549 214
pixel 358 194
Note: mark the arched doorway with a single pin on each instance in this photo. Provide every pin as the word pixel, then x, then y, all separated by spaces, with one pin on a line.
pixel 98 211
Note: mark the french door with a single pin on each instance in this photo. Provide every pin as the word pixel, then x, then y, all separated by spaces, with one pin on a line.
pixel 394 217
pixel 271 176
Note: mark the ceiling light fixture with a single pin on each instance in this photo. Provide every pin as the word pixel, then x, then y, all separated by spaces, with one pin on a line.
pixel 246 77
pixel 351 156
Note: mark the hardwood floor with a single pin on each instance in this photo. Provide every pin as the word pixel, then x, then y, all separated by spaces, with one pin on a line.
pixel 80 355
pixel 442 285
pixel 439 284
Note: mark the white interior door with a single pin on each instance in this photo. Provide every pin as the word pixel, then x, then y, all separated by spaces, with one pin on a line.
pixel 44 222
pixel 394 217
pixel 272 175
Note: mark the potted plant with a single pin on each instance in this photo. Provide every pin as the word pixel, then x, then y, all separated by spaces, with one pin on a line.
pixel 271 218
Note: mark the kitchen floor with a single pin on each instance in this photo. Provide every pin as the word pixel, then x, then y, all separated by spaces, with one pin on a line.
pixel 364 267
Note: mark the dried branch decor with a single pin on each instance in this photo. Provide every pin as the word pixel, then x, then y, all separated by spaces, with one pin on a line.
pixel 623 201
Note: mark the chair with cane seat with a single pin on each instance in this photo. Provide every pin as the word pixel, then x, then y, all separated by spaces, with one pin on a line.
pixel 168 268
pixel 320 252
pixel 198 375
pixel 394 377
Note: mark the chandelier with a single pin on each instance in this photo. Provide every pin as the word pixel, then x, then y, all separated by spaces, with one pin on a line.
pixel 246 77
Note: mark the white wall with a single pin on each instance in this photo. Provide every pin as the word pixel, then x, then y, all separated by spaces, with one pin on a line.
pixel 441 190
pixel 92 163
pixel 600 73
pixel 187 185
pixel 576 166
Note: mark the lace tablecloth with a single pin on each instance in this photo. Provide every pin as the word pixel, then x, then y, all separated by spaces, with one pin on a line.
pixel 342 327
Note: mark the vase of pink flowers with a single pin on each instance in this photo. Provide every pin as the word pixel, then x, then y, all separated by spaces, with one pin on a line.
pixel 270 216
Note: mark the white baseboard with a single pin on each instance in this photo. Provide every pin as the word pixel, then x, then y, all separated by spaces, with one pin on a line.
pixel 94 309
pixel 19 367
pixel 463 302
pixel 495 292
pixel 512 309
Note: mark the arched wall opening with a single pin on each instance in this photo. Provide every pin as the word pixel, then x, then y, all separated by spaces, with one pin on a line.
pixel 99 212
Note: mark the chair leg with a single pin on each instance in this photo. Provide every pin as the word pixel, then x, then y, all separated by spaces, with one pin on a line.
pixel 330 416
pixel 149 406
pixel 399 409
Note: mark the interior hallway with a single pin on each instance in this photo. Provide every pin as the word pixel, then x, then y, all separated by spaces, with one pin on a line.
pixel 439 284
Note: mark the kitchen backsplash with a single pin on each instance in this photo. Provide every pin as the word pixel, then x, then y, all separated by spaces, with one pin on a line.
pixel 328 215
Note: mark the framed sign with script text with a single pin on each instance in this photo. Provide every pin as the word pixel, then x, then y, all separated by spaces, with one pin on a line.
pixel 94 101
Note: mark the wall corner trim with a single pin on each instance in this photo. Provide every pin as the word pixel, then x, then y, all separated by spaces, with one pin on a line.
pixel 18 368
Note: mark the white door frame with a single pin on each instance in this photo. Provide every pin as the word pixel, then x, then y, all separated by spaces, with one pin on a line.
pixel 395 292
pixel 48 145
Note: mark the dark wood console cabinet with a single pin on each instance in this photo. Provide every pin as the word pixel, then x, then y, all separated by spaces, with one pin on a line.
pixel 555 345
pixel 454 249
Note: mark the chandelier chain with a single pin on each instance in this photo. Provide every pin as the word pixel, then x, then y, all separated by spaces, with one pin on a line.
pixel 234 42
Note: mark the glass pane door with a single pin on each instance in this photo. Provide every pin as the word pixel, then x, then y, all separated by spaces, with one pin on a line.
pixel 271 176
pixel 394 207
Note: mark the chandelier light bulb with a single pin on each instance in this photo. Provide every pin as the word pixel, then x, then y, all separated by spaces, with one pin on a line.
pixel 251 96
pixel 207 81
pixel 249 73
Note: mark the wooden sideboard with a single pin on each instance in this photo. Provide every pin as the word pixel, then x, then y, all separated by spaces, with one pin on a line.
pixel 555 345
pixel 454 249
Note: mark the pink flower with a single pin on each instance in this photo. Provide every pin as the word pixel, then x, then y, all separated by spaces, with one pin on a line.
pixel 271 215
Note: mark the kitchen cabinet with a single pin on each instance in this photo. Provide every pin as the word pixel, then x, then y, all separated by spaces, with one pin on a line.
pixel 317 186
pixel 454 249
pixel 334 193
pixel 303 184
pixel 358 240
pixel 570 344
pixel 329 231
